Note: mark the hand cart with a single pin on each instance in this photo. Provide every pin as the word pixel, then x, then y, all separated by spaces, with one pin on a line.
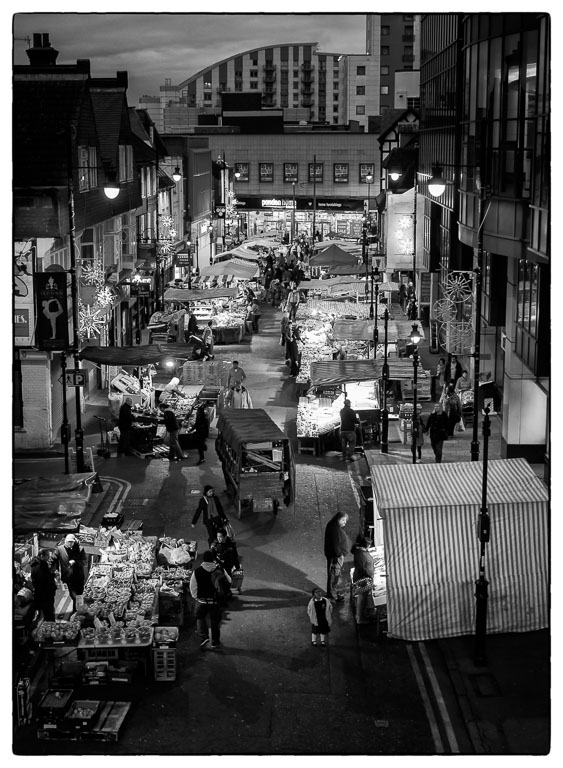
pixel 105 447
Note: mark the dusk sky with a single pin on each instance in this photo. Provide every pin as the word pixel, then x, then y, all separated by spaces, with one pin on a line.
pixel 152 47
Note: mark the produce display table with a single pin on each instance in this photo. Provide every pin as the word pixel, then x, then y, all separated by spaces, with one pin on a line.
pixel 232 334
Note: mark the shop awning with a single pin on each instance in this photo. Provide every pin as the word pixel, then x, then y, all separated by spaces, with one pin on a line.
pixel 325 373
pixel 429 516
pixel 333 256
pixel 233 268
pixel 185 294
pixel 142 355
pixel 52 503
pixel 353 330
pixel 248 425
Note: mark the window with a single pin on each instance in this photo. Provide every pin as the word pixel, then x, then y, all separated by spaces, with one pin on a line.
pixel 341 174
pixel 253 86
pixel 254 61
pixel 125 162
pixel 87 168
pixel 295 73
pixel 360 109
pixel 253 73
pixel 315 172
pixel 335 85
pixel 266 172
pixel 336 73
pixel 242 169
pixel 290 173
pixel 384 90
pixel 532 343
pixel 360 90
pixel 385 30
pixel 207 85
pixel 385 50
pixel 207 96
pixel 360 70
pixel 384 70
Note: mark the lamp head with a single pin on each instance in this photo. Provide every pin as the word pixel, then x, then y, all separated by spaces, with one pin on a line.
pixel 415 334
pixel 437 183
pixel 177 175
pixel 111 187
pixel 369 178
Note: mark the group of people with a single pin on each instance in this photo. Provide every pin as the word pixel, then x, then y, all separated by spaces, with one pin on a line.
pixel 63 566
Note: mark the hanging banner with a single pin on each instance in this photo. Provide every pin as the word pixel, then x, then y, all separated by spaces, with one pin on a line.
pixel 51 308
pixel 24 254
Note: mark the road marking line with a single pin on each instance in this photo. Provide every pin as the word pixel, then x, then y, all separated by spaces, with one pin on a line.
pixel 439 699
pixel 426 701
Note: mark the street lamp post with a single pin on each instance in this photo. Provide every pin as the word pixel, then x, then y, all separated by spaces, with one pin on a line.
pixel 372 314
pixel 385 379
pixel 314 199
pixel 415 338
pixel 197 256
pixel 293 215
pixel 483 532
pixel 189 247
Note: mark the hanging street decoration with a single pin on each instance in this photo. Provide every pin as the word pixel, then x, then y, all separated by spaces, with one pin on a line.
pixel 91 321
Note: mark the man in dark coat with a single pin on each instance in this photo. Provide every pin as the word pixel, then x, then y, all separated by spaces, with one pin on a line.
pixel 212 514
pixel 44 584
pixel 437 426
pixel 348 421
pixel 71 561
pixel 175 452
pixel 336 547
pixel 205 592
pixel 125 422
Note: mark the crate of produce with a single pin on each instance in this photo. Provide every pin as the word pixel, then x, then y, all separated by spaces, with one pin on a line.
pixel 165 637
pixel 82 714
pixel 164 664
pixel 53 705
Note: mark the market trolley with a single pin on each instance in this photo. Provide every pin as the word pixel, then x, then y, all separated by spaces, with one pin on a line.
pixel 257 460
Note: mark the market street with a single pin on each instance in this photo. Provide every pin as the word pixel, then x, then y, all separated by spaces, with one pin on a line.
pixel 269 689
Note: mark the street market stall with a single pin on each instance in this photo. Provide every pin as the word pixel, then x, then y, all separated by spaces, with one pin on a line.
pixel 51 503
pixel 426 517
pixel 257 460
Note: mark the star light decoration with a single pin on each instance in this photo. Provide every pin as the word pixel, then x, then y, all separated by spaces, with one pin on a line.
pixel 90 320
pixel 167 235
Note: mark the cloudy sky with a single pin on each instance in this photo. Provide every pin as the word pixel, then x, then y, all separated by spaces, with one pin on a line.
pixel 152 47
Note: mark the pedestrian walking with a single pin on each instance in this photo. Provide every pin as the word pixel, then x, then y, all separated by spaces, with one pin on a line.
pixel 440 378
pixel 256 312
pixel 44 584
pixel 208 601
pixel 201 432
pixel 319 611
pixel 363 571
pixel 418 432
pixel 211 511
pixel 175 452
pixel 335 548
pixel 70 559
pixel 437 426
pixel 236 375
pixel 453 370
pixel 208 340
pixel 284 323
pixel 348 421
pixel 292 301
pixel 125 423
pixel 452 408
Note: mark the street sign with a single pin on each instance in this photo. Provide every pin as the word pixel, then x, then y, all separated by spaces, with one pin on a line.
pixel 75 377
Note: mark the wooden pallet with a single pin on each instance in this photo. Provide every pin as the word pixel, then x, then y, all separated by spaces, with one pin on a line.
pixel 107 726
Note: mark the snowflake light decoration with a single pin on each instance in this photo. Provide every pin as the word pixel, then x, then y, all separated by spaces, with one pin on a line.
pixel 92 273
pixel 104 297
pixel 444 310
pixel 167 221
pixel 90 320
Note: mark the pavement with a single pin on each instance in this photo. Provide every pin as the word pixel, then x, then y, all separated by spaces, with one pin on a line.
pixel 272 692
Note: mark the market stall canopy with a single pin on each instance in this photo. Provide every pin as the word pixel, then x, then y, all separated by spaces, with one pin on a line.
pixel 351 269
pixel 195 294
pixel 331 282
pixel 262 242
pixel 429 516
pixel 325 373
pixel 353 330
pixel 249 425
pixel 345 245
pixel 142 355
pixel 52 503
pixel 388 287
pixel 230 267
pixel 333 256
pixel 245 252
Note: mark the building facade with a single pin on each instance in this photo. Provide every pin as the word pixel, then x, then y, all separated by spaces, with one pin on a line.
pixel 485 121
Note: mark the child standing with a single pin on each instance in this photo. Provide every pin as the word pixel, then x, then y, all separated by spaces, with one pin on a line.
pixel 320 614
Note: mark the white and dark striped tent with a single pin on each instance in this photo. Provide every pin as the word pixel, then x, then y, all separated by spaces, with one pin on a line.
pixel 429 516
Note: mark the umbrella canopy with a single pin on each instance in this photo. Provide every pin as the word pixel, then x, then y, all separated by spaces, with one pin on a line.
pixel 331 257
pixel 233 268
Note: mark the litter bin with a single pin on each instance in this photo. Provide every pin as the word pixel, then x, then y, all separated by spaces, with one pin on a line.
pixel 366 495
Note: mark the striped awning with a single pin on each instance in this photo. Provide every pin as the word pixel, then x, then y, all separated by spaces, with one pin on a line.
pixel 430 514
pixel 185 294
pixel 325 373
